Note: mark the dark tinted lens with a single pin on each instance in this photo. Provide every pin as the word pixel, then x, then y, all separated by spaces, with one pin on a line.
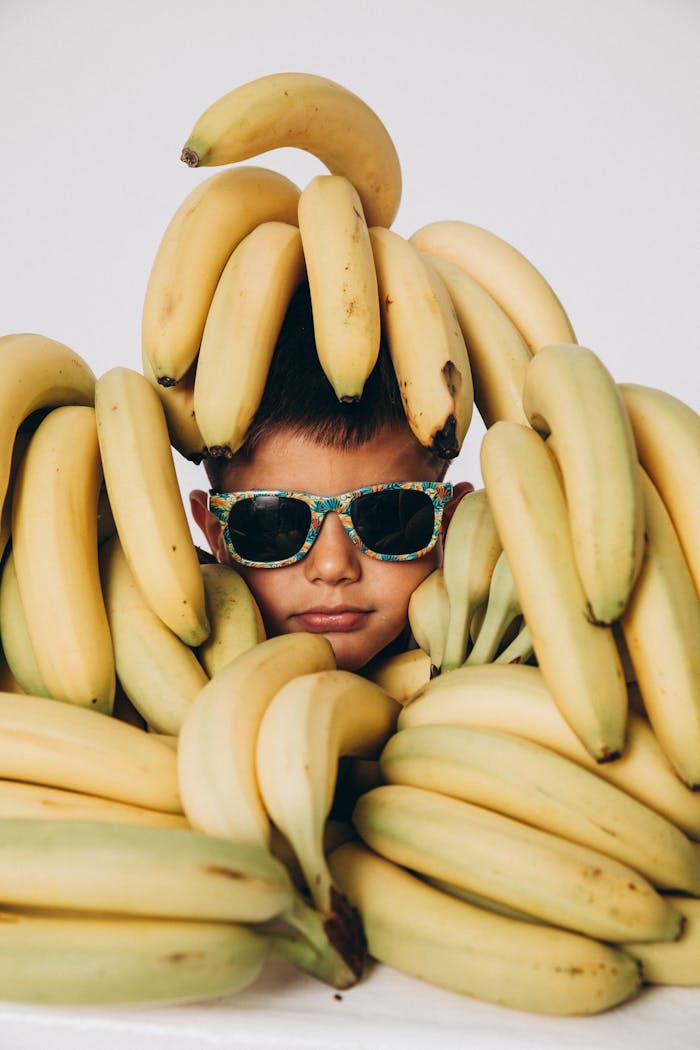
pixel 396 521
pixel 268 528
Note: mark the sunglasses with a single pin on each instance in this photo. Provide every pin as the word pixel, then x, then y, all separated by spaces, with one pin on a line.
pixel 398 521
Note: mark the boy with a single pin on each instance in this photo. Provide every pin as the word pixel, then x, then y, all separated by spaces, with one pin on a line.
pixel 303 440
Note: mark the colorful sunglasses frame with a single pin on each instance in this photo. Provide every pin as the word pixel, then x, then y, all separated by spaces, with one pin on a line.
pixel 439 492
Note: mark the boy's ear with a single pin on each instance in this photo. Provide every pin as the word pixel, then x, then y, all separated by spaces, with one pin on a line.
pixel 460 491
pixel 209 524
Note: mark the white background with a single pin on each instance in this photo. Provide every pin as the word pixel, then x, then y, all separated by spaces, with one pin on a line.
pixel 569 127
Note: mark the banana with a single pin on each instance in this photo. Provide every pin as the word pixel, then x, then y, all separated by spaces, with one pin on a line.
pixel 502 609
pixel 515 699
pixel 667 436
pixel 244 320
pixel 51 958
pixel 136 869
pixel 661 629
pixel 532 783
pixel 233 615
pixel 216 747
pixel 429 615
pixel 198 240
pixel 159 673
pixel 471 549
pixel 146 502
pixel 506 274
pixel 54 543
pixel 579 661
pixel 401 675
pixel 310 113
pixel 16 643
pixel 40 801
pixel 676 962
pixel 570 395
pixel 450 943
pixel 425 342
pixel 37 372
pixel 342 282
pixel 19 447
pixel 498 354
pixel 519 650
pixel 308 725
pixel 534 871
pixel 62 745
pixel 178 405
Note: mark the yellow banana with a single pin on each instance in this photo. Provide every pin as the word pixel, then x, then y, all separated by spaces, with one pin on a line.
pixel 498 354
pixel 429 616
pixel 532 783
pixel 159 673
pixel 51 958
pixel 19 447
pixel 213 218
pixel 661 629
pixel 502 609
pixel 579 661
pixel 519 650
pixel 534 871
pixel 146 502
pixel 506 274
pixel 401 675
pixel 62 745
pixel 425 343
pixel 233 615
pixel 178 405
pixel 54 543
pixel 16 643
pixel 471 549
pixel 342 282
pixel 515 699
pixel 428 934
pixel 675 962
pixel 241 330
pixel 311 113
pixel 570 397
pixel 667 435
pixel 40 801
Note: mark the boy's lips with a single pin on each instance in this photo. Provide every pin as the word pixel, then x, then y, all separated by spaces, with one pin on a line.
pixel 323 620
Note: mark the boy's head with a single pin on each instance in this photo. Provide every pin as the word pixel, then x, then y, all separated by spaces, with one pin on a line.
pixel 304 440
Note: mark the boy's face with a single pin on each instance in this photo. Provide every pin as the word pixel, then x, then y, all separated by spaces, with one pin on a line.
pixel 359 603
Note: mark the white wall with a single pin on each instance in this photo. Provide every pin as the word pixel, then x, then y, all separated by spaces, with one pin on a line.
pixel 569 127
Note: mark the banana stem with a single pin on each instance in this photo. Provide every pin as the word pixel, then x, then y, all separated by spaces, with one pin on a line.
pixel 331 947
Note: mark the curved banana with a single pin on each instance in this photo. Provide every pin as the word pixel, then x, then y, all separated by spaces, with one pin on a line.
pixel 311 113
pixel 502 609
pixel 19 447
pixel 579 661
pixel 506 274
pixel 471 549
pixel 667 435
pixel 16 643
pixel 159 673
pixel 533 871
pixel 37 372
pixel 309 724
pixel 54 543
pixel 519 650
pixel 213 218
pixel 570 398
pixel 146 502
pixel 233 615
pixel 19 799
pixel 134 869
pixel 514 698
pixel 51 958
pixel 424 932
pixel 342 283
pixel 425 343
pixel 661 628
pixel 62 745
pixel 498 354
pixel 241 330
pixel 532 783
pixel 401 675
pixel 178 405
pixel 676 962
pixel 429 616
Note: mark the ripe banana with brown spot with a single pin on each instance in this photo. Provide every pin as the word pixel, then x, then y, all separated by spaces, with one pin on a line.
pixel 675 962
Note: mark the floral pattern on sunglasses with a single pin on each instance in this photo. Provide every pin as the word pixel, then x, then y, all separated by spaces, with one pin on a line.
pixel 438 493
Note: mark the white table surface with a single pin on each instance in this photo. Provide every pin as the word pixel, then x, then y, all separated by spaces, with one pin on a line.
pixel 387 1011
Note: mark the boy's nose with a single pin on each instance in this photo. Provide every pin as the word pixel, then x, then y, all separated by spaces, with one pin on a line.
pixel 333 558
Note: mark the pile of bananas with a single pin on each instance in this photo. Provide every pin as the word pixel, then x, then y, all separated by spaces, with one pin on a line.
pixel 508 811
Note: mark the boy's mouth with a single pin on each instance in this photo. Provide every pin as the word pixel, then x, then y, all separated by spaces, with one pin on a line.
pixel 325 620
